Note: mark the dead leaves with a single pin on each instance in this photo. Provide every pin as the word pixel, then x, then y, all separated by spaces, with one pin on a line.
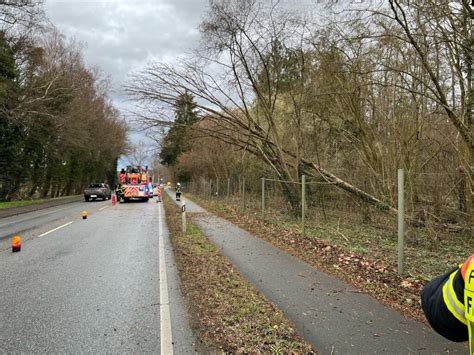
pixel 227 313
pixel 376 276
pixel 406 284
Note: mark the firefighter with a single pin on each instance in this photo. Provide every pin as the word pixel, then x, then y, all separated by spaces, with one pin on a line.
pixel 178 191
pixel 448 303
pixel 120 193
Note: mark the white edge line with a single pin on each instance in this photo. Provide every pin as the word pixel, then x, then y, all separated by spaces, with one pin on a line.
pixel 55 229
pixel 165 317
pixel 103 208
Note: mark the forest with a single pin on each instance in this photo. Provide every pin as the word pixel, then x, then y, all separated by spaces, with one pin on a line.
pixel 58 128
pixel 345 94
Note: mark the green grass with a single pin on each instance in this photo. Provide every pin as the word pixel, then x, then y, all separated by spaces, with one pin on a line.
pixel 191 229
pixel 21 203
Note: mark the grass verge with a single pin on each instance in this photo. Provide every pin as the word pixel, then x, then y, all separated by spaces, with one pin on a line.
pixel 21 203
pixel 227 313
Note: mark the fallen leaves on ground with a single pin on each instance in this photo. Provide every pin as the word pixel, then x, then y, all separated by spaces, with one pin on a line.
pixel 374 276
pixel 227 313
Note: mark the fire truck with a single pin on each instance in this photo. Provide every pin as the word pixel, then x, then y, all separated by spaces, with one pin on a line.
pixel 137 183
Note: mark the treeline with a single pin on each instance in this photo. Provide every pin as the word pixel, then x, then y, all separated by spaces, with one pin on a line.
pixel 345 96
pixel 58 128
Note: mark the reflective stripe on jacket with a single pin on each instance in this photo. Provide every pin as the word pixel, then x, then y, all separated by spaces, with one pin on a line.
pixel 442 301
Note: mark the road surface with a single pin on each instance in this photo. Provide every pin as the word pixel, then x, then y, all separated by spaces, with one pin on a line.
pixel 105 284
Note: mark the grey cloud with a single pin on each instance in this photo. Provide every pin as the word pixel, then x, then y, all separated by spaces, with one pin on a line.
pixel 122 36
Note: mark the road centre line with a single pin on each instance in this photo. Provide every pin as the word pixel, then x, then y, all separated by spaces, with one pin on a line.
pixel 55 229
pixel 165 318
pixel 103 208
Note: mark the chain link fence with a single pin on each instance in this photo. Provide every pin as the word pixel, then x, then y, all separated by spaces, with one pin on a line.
pixel 434 216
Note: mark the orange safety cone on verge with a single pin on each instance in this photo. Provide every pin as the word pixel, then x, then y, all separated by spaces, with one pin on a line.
pixel 114 199
pixel 16 244
pixel 84 214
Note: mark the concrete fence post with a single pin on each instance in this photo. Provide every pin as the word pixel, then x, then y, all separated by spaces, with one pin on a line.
pixel 303 204
pixel 263 199
pixel 401 220
pixel 243 193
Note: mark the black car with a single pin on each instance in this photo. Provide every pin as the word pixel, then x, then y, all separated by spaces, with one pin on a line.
pixel 97 190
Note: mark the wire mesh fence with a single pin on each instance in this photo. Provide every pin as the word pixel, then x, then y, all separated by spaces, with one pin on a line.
pixel 434 214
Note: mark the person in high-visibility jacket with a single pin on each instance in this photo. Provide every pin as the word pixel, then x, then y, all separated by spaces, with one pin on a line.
pixel 448 303
pixel 120 193
pixel 178 191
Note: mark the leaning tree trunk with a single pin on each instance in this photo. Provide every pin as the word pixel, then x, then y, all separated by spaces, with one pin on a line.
pixel 313 168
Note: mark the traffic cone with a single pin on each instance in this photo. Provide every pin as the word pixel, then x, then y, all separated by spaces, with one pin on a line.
pixel 16 244
pixel 114 199
pixel 84 214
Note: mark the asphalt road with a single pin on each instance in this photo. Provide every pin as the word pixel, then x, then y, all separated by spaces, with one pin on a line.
pixel 105 284
pixel 331 315
pixel 29 225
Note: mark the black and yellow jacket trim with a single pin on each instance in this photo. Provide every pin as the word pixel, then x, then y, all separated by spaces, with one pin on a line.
pixel 442 301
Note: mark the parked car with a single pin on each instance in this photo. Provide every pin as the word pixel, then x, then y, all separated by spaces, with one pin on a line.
pixel 97 190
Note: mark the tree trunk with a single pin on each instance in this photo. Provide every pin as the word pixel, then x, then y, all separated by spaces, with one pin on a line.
pixel 364 196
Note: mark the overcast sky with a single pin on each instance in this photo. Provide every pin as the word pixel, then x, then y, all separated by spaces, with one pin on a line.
pixel 121 36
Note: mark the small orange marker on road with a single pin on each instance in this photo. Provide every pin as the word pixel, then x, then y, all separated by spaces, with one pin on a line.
pixel 16 244
pixel 84 214
pixel 114 199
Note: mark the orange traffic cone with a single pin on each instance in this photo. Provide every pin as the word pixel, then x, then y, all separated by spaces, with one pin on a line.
pixel 114 199
pixel 84 214
pixel 16 243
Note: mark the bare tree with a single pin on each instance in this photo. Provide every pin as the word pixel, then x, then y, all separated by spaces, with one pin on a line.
pixel 250 43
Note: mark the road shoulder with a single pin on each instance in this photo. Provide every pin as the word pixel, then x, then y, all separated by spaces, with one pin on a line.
pixel 184 341
pixel 228 313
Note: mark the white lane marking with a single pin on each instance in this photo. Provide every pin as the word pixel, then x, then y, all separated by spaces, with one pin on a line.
pixel 55 229
pixel 103 208
pixel 165 318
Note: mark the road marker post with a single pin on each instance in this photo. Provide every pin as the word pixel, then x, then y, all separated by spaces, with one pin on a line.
pixel 16 244
pixel 84 214
pixel 183 215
